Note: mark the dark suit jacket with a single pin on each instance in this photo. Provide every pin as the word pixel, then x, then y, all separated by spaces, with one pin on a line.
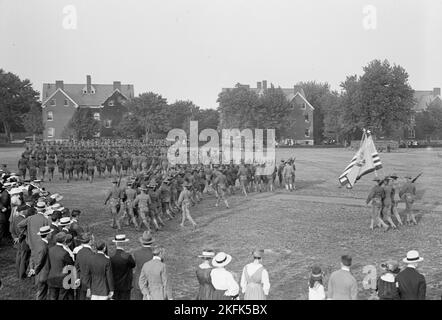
pixel 42 264
pixel 51 237
pixel 83 261
pixel 411 284
pixel 122 270
pixel 99 275
pixel 141 256
pixel 59 258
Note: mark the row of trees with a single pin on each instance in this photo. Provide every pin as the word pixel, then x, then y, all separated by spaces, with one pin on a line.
pixel 380 99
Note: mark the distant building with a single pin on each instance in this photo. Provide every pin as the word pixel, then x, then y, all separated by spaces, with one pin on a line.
pixel 60 100
pixel 301 116
pixel 423 100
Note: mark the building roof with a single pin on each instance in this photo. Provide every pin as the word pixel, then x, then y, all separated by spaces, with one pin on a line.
pixel 75 92
pixel 423 99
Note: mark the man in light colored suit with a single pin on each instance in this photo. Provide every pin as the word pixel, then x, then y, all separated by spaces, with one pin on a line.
pixel 141 256
pixel 32 225
pixel 342 285
pixel 153 278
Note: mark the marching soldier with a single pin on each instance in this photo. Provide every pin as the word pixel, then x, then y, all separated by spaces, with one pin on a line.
pixel 387 201
pixel 185 201
pixel 154 206
pixel 51 167
pixel 114 196
pixel 408 194
pixel 42 166
pixel 90 165
pixel 32 163
pixel 144 202
pixel 69 167
pixel 220 186
pixel 375 196
pixel 396 199
pixel 22 166
pixel 61 165
pixel 131 194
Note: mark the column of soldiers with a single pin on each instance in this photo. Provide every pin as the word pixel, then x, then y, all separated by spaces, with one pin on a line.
pixel 384 198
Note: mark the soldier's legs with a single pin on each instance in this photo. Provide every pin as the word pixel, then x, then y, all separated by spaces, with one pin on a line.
pixel 387 215
pixel 144 212
pixel 396 214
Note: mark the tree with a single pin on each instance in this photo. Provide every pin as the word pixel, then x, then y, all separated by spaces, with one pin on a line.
pixel 33 120
pixel 381 100
pixel 333 116
pixel 16 98
pixel 208 119
pixel 236 107
pixel 181 113
pixel 152 112
pixel 82 125
pixel 129 127
pixel 272 111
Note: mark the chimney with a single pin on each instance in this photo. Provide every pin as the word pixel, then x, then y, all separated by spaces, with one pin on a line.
pixel 117 85
pixel 258 85
pixel 436 91
pixel 264 84
pixel 59 84
pixel 88 84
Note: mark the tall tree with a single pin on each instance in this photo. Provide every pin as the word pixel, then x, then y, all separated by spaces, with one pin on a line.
pixel 33 120
pixel 208 119
pixel 129 127
pixel 236 107
pixel 151 110
pixel 16 98
pixel 82 125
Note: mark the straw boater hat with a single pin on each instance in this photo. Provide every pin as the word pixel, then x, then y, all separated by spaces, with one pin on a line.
pixel 146 239
pixel 394 176
pixel 412 256
pixel 221 259
pixel 65 221
pixel 57 207
pixel 120 238
pixel 57 197
pixel 207 254
pixel 40 206
pixel 45 230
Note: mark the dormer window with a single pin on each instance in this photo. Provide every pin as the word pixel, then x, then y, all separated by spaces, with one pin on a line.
pixel 111 103
pixel 52 102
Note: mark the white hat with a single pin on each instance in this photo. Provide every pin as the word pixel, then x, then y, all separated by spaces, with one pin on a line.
pixel 45 230
pixel 412 256
pixel 221 259
pixel 65 221
pixel 15 191
pixel 40 205
pixel 56 196
pixel 120 238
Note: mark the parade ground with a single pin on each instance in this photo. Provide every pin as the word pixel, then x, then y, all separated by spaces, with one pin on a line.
pixel 315 224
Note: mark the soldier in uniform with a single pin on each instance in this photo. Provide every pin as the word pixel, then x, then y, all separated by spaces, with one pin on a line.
pixel 165 194
pixel 61 165
pixel 131 194
pixel 22 166
pixel 143 202
pixel 77 164
pixel 396 198
pixel 387 201
pixel 220 186
pixel 82 161
pixel 90 165
pixel 114 197
pixel 69 167
pixel 117 163
pixel 42 166
pixel 154 207
pixel 32 163
pixel 185 201
pixel 51 166
pixel 408 194
pixel 375 196
pixel 109 164
pixel 125 163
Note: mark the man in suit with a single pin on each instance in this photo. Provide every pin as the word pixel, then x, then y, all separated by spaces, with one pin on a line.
pixel 99 275
pixel 19 235
pixel 59 258
pixel 122 269
pixel 342 285
pixel 83 259
pixel 42 264
pixel 410 283
pixel 153 278
pixel 141 256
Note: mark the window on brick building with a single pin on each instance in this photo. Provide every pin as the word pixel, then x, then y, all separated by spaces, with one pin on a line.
pixel 111 103
pixel 52 102
pixel 51 132
pixel 307 132
pixel 50 116
pixel 107 123
pixel 97 116
pixel 306 117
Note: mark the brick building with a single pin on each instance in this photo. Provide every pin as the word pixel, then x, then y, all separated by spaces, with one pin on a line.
pixel 60 100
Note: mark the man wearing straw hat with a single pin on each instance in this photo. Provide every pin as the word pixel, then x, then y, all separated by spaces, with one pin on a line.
pixel 32 226
pixel 141 256
pixel 410 283
pixel 84 254
pixel 122 268
pixel 42 265
pixel 153 279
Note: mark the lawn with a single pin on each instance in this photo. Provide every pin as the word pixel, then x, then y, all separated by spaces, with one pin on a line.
pixel 295 234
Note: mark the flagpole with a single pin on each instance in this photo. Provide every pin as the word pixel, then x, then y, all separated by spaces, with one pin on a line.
pixel 375 170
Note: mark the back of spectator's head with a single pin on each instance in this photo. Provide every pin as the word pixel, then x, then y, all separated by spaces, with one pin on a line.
pixel 55 216
pixel 75 213
pixel 100 245
pixel 346 260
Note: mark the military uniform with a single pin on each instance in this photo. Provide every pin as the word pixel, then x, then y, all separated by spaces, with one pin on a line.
pixel 375 196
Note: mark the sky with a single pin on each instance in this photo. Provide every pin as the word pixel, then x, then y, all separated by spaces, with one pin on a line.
pixel 191 49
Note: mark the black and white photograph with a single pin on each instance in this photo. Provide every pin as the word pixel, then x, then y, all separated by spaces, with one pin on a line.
pixel 241 151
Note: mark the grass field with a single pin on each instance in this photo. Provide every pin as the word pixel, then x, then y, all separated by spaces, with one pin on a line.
pixel 295 234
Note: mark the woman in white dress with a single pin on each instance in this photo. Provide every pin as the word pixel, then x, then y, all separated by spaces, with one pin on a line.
pixel 316 289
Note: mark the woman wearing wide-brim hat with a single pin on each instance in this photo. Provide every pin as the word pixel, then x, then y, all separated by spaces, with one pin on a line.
pixel 386 283
pixel 226 287
pixel 206 288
